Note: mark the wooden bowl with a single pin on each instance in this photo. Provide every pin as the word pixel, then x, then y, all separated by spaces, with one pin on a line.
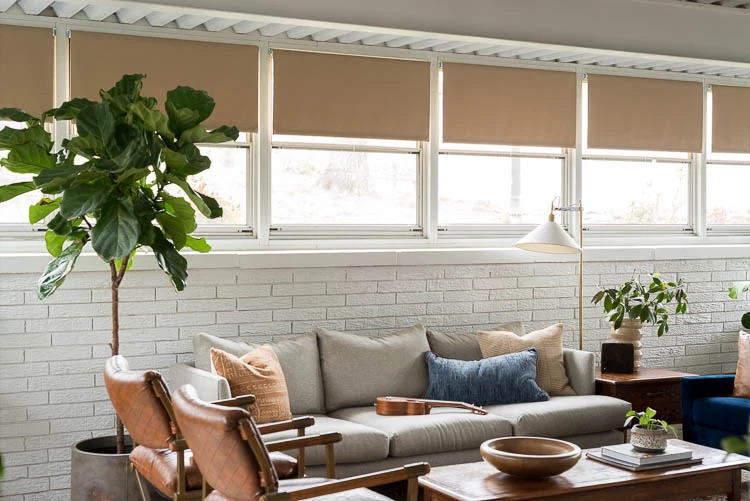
pixel 530 456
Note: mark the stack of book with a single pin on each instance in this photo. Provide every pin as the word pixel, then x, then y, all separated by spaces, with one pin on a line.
pixel 624 456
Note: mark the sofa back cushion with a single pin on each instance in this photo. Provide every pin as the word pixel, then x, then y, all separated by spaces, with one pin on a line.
pixel 357 369
pixel 464 345
pixel 299 360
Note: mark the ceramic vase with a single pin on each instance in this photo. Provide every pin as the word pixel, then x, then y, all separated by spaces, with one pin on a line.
pixel 647 440
pixel 629 332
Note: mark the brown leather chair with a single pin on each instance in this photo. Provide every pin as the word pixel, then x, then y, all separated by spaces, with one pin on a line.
pixel 228 447
pixel 144 404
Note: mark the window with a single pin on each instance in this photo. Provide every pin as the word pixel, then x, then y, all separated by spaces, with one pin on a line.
pixel 325 185
pixel 490 186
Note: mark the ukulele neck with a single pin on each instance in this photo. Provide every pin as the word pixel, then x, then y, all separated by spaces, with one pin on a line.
pixel 460 405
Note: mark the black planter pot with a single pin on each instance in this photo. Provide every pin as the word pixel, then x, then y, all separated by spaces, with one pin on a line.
pixel 98 472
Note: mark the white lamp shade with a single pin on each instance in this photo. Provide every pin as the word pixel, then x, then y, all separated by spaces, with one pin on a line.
pixel 549 237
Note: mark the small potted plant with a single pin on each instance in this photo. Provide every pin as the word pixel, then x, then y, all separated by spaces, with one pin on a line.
pixel 649 434
pixel 634 303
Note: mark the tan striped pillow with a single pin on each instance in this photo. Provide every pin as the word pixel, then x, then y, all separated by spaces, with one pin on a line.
pixel 550 376
pixel 259 373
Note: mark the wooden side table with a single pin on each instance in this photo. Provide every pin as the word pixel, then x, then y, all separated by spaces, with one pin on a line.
pixel 655 388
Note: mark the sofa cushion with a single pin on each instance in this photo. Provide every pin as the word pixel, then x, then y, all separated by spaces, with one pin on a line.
pixel 360 443
pixel 257 373
pixel 443 430
pixel 357 369
pixel 563 416
pixel 299 361
pixel 725 413
pixel 506 379
pixel 464 345
pixel 551 374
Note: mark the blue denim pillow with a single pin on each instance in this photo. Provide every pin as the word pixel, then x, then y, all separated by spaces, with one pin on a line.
pixel 505 379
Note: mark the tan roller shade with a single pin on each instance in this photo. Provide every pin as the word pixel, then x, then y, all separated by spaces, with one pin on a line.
pixel 645 114
pixel 731 119
pixel 27 68
pixel 495 105
pixel 229 73
pixel 350 96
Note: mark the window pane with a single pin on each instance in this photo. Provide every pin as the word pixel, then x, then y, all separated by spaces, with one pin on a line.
pixel 343 187
pixel 726 194
pixel 349 141
pixel 476 189
pixel 621 192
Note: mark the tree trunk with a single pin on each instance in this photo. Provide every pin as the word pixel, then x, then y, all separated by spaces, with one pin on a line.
pixel 116 277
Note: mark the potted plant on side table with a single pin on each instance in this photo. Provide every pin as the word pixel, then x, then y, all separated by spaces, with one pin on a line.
pixel 107 187
pixel 633 303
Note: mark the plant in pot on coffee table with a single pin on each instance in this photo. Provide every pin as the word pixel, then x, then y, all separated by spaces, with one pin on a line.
pixel 649 434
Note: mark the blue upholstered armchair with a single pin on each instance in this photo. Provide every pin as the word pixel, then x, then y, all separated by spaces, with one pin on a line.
pixel 709 413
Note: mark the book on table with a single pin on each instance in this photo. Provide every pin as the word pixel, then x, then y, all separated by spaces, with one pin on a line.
pixel 597 456
pixel 626 453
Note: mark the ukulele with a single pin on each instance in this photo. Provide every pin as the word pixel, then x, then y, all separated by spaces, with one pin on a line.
pixel 401 406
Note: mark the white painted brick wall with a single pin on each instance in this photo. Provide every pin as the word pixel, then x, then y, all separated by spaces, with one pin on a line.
pixel 52 353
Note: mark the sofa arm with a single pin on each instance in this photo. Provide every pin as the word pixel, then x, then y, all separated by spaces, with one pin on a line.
pixel 209 386
pixel 693 388
pixel 580 366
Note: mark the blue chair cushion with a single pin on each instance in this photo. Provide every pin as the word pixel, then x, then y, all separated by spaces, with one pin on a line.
pixel 505 379
pixel 724 413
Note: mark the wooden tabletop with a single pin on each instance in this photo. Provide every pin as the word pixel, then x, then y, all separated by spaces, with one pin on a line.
pixel 717 473
pixel 642 375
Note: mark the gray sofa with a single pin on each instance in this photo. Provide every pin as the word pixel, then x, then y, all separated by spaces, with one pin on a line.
pixel 336 377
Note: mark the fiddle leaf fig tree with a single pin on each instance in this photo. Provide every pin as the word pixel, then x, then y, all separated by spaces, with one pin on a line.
pixel 108 186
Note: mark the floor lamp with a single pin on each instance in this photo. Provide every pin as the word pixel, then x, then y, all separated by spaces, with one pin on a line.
pixel 551 238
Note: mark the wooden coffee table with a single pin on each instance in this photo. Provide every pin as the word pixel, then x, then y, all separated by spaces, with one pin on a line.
pixel 590 480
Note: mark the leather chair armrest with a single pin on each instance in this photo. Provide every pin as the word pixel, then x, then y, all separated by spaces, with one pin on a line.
pixel 306 441
pixel 290 424
pixel 239 401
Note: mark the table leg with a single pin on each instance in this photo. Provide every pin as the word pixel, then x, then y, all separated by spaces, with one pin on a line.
pixel 735 494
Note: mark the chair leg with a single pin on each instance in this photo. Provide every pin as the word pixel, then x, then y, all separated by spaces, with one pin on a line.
pixel 330 462
pixel 301 455
pixel 412 490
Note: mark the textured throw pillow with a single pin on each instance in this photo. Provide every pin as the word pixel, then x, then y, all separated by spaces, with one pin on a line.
pixel 258 372
pixel 357 369
pixel 551 375
pixel 463 345
pixel 742 377
pixel 506 379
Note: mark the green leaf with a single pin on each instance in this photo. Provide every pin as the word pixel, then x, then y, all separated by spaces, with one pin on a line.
pixel 736 445
pixel 60 225
pixel 187 107
pixel 598 297
pixel 182 209
pixel 116 232
pixel 54 179
pixel 197 244
pixel 129 86
pixel 69 110
pixel 10 191
pixel 10 138
pixel 213 206
pixel 192 195
pixel 186 162
pixel 82 199
pixel 746 320
pixel 87 146
pixel 169 260
pixel 16 115
pixel 128 148
pixel 54 242
pixel 173 228
pixel 96 120
pixel 131 259
pixel 198 134
pixel 42 209
pixel 153 120
pixel 58 269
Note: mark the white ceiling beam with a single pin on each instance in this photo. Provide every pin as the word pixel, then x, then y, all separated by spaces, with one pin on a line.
pixel 33 7
pixel 99 12
pixel 448 46
pixel 325 35
pixel 735 3
pixel 572 58
pixel 378 39
pixel 402 41
pixel 161 18
pixel 301 32
pixel 628 63
pixel 588 59
pixel 188 22
pixel 219 24
pixel 247 26
pixel 494 49
pixel 6 4
pixel 472 48
pixel 512 52
pixel 425 44
pixel 129 16
pixel 353 36
pixel 535 54
pixel 66 10
pixel 273 29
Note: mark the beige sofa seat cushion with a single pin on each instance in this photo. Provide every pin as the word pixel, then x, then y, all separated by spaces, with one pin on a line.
pixel 551 375
pixel 360 443
pixel 299 361
pixel 563 416
pixel 464 345
pixel 357 369
pixel 443 430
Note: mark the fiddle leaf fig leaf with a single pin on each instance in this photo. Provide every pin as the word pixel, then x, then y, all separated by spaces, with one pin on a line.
pixel 153 120
pixel 96 120
pixel 169 260
pixel 182 209
pixel 28 158
pixel 82 199
pixel 10 191
pixel 16 115
pixel 58 269
pixel 54 242
pixel 198 134
pixel 69 110
pixel 173 228
pixel 194 197
pixel 10 138
pixel 116 232
pixel 187 107
pixel 42 209
pixel 197 244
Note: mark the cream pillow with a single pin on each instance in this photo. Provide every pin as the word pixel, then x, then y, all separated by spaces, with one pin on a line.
pixel 551 376
pixel 259 373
